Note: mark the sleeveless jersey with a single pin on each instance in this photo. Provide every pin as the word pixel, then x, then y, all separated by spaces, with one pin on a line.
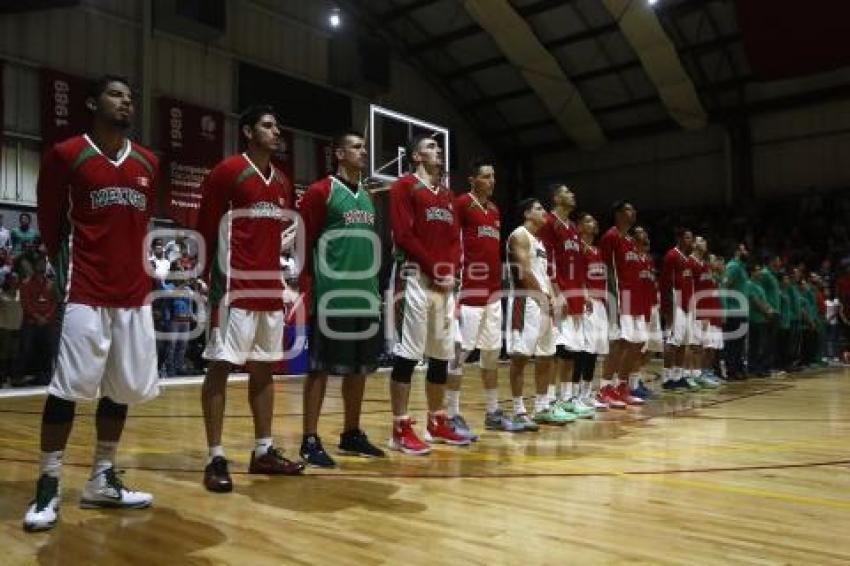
pixel 344 261
pixel 538 261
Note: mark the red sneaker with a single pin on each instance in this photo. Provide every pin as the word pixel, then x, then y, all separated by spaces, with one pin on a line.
pixel 439 430
pixel 608 395
pixel 405 440
pixel 626 396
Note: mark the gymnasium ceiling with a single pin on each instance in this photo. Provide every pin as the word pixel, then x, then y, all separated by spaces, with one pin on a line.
pixel 592 43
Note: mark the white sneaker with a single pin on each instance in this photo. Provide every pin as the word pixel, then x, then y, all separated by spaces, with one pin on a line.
pixel 106 490
pixel 43 511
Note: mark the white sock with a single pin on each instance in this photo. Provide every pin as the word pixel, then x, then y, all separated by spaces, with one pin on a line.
pixel 492 396
pixel 104 456
pixel 666 375
pixel 519 406
pixel 551 396
pixel 615 381
pixel 676 373
pixel 541 402
pixel 262 446
pixel 606 382
pixel 633 380
pixel 50 463
pixel 570 390
pixel 217 450
pixel 585 389
pixel 564 393
pixel 452 402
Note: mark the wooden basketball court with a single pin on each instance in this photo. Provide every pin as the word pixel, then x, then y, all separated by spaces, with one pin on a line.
pixel 756 473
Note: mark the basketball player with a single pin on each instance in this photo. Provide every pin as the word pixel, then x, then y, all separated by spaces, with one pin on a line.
pixel 342 275
pixel 563 246
pixel 426 237
pixel 595 322
pixel 677 287
pixel 628 331
pixel 531 333
pixel 649 309
pixel 96 193
pixel 241 220
pixel 479 297
pixel 705 303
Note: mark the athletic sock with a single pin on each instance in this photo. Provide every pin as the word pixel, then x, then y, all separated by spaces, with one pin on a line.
pixel 104 456
pixel 633 380
pixel 50 463
pixel 666 375
pixel 492 396
pixel 452 402
pixel 519 406
pixel 217 450
pixel 262 446
pixel 606 382
pixel 551 396
pixel 541 403
pixel 566 391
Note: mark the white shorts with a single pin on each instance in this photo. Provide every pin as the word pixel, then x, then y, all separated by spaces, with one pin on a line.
pixel 532 332
pixel 712 336
pixel 239 335
pixel 655 338
pixel 106 352
pixel 631 328
pixel 425 321
pixel 685 329
pixel 569 332
pixel 595 325
pixel 481 327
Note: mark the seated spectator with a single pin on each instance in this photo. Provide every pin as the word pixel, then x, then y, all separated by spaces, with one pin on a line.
pixel 11 317
pixel 37 337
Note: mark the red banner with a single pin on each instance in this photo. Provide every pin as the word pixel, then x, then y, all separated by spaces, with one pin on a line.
pixel 63 106
pixel 193 142
pixel 324 158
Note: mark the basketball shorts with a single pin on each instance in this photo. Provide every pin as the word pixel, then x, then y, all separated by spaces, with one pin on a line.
pixel 595 324
pixel 532 331
pixel 424 320
pixel 712 336
pixel 569 332
pixel 238 336
pixel 343 345
pixel 481 327
pixel 106 352
pixel 684 329
pixel 631 328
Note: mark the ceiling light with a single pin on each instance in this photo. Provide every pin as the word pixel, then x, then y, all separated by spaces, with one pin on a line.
pixel 335 18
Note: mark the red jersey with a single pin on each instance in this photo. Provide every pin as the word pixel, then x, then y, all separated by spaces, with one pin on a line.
pixel 564 248
pixel 677 281
pixel 706 298
pixel 620 254
pixel 241 218
pixel 647 296
pixel 596 275
pixel 93 214
pixel 38 299
pixel 424 226
pixel 481 262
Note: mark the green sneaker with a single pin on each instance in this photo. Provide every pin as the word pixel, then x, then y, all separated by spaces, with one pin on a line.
pixel 706 383
pixel 553 415
pixel 577 408
pixel 692 384
pixel 525 422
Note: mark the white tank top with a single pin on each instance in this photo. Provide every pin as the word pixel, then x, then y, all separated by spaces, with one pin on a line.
pixel 537 261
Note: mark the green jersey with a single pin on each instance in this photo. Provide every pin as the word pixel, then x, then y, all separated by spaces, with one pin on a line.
pixel 346 254
pixel 755 294
pixel 768 282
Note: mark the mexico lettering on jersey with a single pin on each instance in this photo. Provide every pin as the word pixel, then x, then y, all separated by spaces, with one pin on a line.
pixel 564 247
pixel 481 263
pixel 619 252
pixel 596 276
pixel 677 283
pixel 424 226
pixel 241 217
pixel 339 222
pixel 93 215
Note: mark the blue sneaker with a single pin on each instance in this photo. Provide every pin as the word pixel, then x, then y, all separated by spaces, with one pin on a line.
pixel 678 386
pixel 642 391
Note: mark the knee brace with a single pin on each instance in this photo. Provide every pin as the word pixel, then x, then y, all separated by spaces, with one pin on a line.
pixel 438 371
pixel 402 370
pixel 107 408
pixel 58 411
pixel 561 352
pixel 489 359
